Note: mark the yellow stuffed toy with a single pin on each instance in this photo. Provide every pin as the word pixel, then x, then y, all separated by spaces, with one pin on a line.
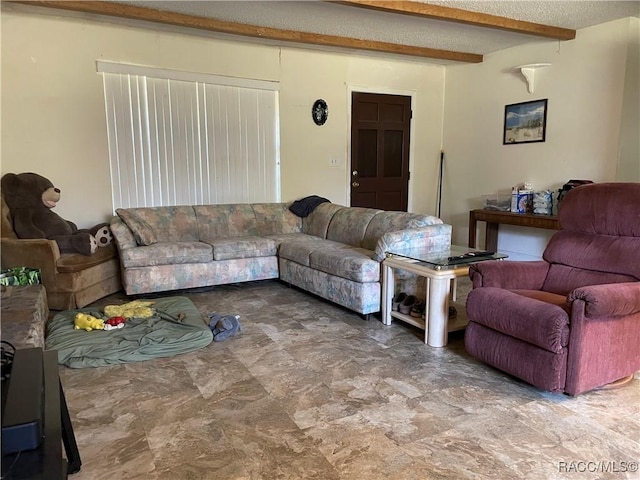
pixel 87 322
pixel 137 308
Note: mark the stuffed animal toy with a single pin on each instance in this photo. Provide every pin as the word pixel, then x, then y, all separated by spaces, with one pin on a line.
pixel 224 326
pixel 114 323
pixel 31 198
pixel 84 321
pixel 136 308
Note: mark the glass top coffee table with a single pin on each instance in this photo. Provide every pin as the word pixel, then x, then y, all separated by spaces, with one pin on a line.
pixel 441 269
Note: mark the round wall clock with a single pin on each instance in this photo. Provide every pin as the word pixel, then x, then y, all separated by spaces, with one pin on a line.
pixel 320 112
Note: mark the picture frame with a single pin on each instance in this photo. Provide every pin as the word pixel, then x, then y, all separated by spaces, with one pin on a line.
pixel 525 122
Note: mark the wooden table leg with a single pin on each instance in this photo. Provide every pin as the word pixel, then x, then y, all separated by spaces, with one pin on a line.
pixel 491 237
pixel 472 230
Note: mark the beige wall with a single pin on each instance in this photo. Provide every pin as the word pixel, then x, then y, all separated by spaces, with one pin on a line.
pixel 53 111
pixel 307 148
pixel 584 85
pixel 629 156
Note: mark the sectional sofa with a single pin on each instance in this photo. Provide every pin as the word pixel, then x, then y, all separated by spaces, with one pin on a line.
pixel 334 252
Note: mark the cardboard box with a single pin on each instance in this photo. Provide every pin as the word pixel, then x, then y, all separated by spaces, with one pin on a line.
pixel 522 201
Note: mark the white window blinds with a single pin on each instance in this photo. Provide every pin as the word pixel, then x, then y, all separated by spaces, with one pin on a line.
pixel 177 138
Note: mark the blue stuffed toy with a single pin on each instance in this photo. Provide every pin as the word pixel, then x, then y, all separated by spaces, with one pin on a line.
pixel 224 326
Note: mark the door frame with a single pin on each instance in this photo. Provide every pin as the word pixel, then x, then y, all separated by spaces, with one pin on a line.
pixel 382 91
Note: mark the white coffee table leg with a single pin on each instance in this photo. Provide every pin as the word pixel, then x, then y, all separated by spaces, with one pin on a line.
pixel 438 313
pixel 387 293
pixel 427 302
pixel 454 289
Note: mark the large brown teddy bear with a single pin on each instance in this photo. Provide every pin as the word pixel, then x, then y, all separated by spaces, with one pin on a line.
pixel 30 198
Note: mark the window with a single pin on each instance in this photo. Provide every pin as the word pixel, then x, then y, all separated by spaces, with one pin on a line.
pixel 178 138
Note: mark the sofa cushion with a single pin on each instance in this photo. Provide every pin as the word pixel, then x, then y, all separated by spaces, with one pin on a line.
pixel 289 237
pixel 142 231
pixel 166 253
pixel 169 224
pixel 351 263
pixel 76 262
pixel 349 225
pixel 548 297
pixel 122 234
pixel 562 279
pixel 225 221
pixel 534 321
pixel 300 249
pixel 243 247
pixel 585 252
pixel 275 218
pixel 588 210
pixel 317 222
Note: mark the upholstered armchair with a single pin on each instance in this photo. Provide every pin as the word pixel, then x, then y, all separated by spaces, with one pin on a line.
pixel 71 280
pixel 570 322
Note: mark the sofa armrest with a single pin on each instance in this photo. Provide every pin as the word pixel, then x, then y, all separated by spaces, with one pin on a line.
pixel 509 275
pixel 35 253
pixel 613 299
pixel 432 238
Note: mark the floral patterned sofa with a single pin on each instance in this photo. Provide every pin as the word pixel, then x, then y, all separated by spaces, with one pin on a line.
pixel 334 252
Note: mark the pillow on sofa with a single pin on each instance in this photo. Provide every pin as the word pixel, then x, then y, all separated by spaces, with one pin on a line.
pixel 141 230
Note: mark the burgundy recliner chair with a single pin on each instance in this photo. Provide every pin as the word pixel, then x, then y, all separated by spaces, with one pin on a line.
pixel 570 322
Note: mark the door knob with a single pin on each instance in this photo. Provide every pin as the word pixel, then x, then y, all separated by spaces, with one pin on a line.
pixel 354 173
pixel 355 184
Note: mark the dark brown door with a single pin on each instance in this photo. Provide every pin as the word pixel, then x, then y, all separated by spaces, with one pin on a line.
pixel 380 151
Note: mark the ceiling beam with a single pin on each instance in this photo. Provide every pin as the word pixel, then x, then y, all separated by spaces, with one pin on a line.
pixel 211 24
pixel 467 17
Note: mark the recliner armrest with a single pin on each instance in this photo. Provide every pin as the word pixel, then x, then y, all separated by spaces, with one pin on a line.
pixel 612 299
pixel 35 253
pixel 510 275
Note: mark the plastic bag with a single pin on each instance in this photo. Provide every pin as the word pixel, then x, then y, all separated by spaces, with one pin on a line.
pixel 20 276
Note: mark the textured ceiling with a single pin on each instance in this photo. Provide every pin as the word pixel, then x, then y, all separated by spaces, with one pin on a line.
pixel 349 21
pixel 574 14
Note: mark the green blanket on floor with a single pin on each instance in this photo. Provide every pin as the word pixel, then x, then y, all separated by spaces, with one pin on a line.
pixel 164 334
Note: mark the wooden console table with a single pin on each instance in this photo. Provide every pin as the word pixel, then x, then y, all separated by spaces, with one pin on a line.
pixel 494 218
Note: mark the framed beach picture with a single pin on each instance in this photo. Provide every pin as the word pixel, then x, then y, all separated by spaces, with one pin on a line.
pixel 525 122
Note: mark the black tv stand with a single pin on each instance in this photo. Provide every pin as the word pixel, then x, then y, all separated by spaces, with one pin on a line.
pixel 47 460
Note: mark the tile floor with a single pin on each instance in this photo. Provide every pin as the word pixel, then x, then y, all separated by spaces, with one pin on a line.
pixel 312 391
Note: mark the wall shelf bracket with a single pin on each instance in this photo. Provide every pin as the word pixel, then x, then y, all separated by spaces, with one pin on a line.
pixel 529 73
